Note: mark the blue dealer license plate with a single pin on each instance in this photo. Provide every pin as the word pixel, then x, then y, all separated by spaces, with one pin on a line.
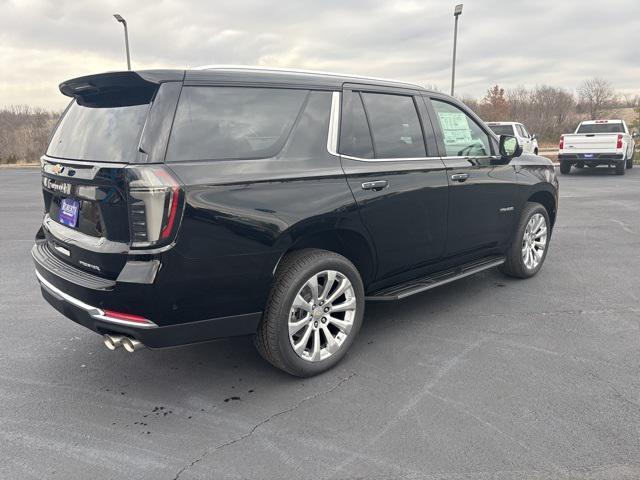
pixel 69 212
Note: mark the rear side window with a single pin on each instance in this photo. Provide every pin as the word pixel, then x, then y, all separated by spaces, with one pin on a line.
pixel 502 129
pixel 395 126
pixel 355 137
pixel 616 127
pixel 106 134
pixel 214 123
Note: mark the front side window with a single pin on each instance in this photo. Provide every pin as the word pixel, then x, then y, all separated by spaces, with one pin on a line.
pixel 461 135
pixel 214 123
pixel 525 132
pixel 520 131
pixel 395 126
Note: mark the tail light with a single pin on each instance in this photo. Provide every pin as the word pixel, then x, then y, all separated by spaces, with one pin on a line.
pixel 619 144
pixel 155 199
pixel 561 146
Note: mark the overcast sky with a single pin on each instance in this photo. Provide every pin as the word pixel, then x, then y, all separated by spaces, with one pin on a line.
pixel 509 42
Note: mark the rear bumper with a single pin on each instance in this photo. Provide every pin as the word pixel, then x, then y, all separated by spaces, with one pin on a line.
pixel 592 158
pixel 86 306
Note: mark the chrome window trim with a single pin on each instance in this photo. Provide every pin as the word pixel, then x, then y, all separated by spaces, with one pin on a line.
pixel 93 312
pixel 403 159
pixel 334 124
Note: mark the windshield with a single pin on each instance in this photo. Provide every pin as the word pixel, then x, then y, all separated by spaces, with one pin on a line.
pixel 106 134
pixel 502 129
pixel 601 128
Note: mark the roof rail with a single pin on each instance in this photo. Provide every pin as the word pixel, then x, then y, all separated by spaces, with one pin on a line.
pixel 307 72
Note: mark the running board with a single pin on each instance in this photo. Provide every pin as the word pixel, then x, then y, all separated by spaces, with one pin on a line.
pixel 434 280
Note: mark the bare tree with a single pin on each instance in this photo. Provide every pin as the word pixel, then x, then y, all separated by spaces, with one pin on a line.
pixel 595 94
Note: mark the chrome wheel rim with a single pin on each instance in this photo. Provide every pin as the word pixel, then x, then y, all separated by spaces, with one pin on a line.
pixel 322 315
pixel 534 241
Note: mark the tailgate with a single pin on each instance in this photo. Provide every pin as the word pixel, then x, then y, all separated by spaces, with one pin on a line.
pixel 86 214
pixel 591 143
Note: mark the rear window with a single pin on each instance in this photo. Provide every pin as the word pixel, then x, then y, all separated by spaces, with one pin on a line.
pixel 214 123
pixel 502 129
pixel 106 134
pixel 601 128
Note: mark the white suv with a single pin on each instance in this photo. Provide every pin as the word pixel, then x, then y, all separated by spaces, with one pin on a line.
pixel 528 142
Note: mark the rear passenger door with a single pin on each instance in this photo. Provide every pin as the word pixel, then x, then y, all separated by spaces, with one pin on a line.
pixel 399 183
pixel 483 191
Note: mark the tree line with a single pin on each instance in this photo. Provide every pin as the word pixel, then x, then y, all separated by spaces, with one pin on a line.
pixel 24 133
pixel 546 111
pixel 550 111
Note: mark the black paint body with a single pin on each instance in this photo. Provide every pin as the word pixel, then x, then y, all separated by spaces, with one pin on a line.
pixel 240 217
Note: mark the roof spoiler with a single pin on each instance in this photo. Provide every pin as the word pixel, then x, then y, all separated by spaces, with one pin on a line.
pixel 116 89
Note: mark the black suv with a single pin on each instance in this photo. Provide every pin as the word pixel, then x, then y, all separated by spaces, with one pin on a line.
pixel 185 206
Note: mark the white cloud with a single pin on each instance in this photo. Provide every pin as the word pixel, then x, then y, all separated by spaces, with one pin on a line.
pixel 520 42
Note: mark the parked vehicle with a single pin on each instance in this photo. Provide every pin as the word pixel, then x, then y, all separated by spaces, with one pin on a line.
pixel 597 142
pixel 528 142
pixel 186 206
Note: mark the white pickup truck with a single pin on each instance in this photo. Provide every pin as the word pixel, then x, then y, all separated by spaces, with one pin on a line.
pixel 597 142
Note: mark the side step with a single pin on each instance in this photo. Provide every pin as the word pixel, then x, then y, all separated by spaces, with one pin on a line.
pixel 434 280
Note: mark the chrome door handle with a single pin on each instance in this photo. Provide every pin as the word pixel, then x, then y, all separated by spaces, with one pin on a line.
pixel 459 177
pixel 375 186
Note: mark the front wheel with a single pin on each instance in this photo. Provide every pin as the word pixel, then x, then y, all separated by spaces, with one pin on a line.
pixel 529 247
pixel 313 313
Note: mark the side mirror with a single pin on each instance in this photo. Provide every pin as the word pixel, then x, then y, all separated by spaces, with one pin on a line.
pixel 634 135
pixel 509 147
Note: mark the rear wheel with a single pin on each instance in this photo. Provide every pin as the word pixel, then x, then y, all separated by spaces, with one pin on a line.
pixel 565 167
pixel 529 247
pixel 313 313
pixel 630 160
pixel 621 167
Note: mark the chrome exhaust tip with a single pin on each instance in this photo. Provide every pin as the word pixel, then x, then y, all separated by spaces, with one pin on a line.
pixel 131 344
pixel 112 342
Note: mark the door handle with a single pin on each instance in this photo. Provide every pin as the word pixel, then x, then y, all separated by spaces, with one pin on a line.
pixel 459 177
pixel 375 186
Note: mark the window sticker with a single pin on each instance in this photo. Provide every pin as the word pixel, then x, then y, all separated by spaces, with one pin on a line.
pixel 455 127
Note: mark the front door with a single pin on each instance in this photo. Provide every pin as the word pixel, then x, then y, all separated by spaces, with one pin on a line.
pixel 400 190
pixel 482 191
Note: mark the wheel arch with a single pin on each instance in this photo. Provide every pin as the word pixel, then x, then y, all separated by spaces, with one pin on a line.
pixel 548 201
pixel 348 243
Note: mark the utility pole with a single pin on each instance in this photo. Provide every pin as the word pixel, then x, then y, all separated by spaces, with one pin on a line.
pixel 456 13
pixel 126 37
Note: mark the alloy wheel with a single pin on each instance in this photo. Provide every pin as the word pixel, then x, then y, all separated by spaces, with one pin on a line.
pixel 322 315
pixel 534 241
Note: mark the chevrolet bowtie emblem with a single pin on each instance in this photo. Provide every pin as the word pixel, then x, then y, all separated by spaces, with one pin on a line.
pixel 57 169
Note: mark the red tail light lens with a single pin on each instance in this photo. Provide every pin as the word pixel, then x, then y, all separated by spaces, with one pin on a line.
pixel 561 146
pixel 155 198
pixel 619 144
pixel 129 317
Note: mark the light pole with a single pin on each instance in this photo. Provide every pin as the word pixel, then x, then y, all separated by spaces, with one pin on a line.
pixel 126 37
pixel 456 13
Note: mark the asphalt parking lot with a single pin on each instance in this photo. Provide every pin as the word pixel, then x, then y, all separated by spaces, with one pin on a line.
pixel 487 378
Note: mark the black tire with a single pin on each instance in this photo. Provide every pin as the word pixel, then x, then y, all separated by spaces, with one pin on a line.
pixel 272 338
pixel 565 168
pixel 630 161
pixel 514 265
pixel 535 151
pixel 621 167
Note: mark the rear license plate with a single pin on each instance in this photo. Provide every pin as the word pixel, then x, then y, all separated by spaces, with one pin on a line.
pixel 588 155
pixel 69 212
